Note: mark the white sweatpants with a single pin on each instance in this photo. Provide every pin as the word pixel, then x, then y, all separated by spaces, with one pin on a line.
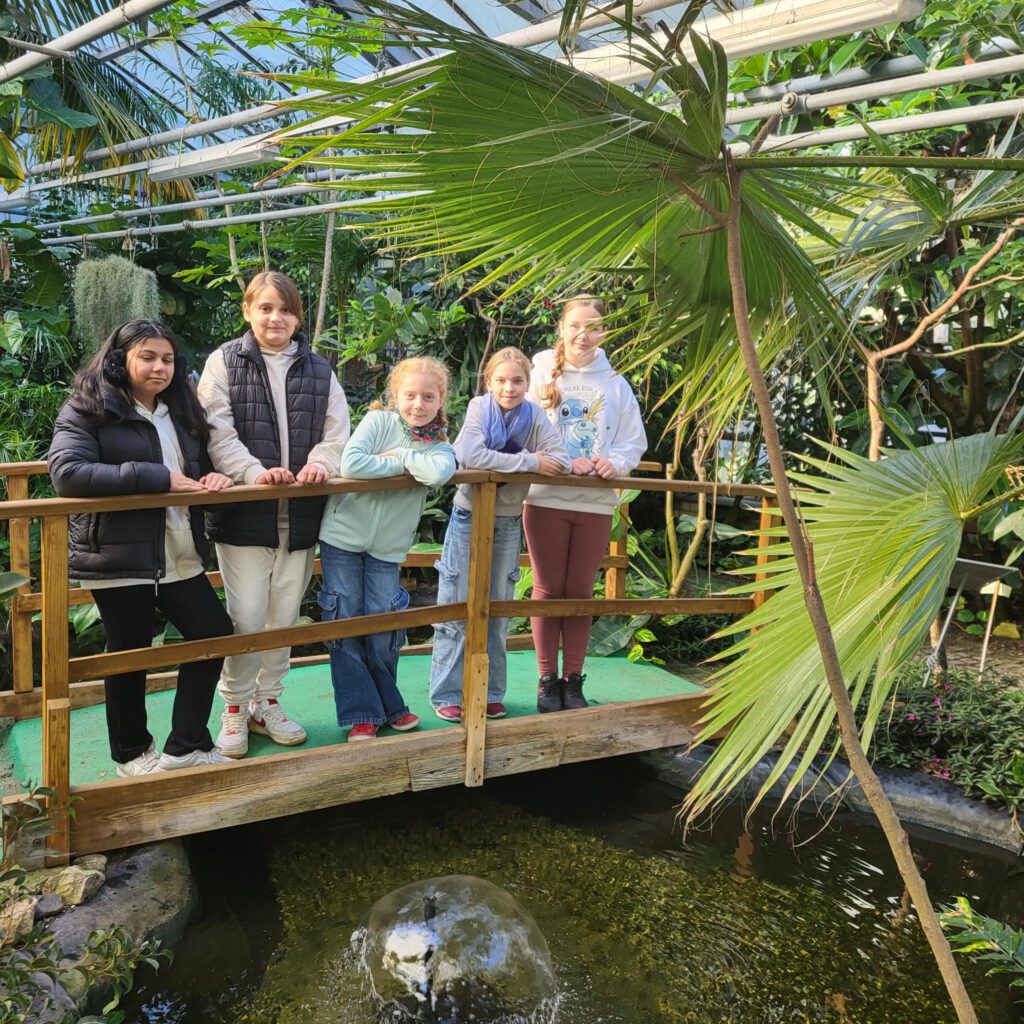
pixel 264 589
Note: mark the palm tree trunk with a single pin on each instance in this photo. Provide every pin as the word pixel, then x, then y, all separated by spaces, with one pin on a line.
pixel 325 282
pixel 803 553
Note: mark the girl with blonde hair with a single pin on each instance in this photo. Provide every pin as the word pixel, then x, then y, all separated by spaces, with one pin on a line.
pixel 365 537
pixel 567 528
pixel 502 432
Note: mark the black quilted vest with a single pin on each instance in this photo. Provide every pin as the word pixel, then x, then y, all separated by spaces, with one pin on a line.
pixel 307 387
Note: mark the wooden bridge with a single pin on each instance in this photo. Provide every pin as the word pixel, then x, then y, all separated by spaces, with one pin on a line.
pixel 125 812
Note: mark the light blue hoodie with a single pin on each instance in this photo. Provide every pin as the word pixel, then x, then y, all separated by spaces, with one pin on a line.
pixel 383 523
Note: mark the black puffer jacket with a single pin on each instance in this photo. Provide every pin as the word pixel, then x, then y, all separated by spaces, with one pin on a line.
pixel 119 456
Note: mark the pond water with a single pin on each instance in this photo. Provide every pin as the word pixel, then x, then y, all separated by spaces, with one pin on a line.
pixel 753 925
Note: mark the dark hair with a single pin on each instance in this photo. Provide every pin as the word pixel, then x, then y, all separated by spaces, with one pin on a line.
pixel 106 376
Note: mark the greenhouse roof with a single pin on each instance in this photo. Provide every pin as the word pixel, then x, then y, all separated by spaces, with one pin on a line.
pixel 204 113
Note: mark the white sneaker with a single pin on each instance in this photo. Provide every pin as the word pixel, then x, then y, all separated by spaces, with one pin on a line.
pixel 268 719
pixel 233 738
pixel 170 763
pixel 146 763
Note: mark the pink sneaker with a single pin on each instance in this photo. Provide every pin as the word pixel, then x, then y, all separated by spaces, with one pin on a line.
pixel 406 722
pixel 363 731
pixel 496 710
pixel 449 713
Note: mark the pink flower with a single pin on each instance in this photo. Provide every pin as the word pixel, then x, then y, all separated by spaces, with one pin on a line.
pixel 911 717
pixel 945 775
pixel 938 702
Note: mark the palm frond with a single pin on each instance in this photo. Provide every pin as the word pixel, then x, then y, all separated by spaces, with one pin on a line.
pixel 540 173
pixel 885 536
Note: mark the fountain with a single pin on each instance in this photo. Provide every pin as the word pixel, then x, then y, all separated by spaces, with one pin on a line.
pixel 453 949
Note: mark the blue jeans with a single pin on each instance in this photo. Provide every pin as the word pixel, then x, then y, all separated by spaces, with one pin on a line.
pixel 453 587
pixel 364 669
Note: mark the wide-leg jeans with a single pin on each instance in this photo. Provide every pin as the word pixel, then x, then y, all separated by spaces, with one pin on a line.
pixel 453 587
pixel 364 669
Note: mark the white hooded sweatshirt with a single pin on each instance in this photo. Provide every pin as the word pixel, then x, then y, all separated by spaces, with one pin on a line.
pixel 597 416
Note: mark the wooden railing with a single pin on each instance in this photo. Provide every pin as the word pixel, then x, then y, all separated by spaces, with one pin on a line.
pixel 66 681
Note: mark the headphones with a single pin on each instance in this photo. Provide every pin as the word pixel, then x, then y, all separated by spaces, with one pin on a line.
pixel 115 368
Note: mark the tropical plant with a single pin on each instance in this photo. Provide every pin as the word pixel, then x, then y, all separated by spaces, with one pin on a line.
pixel 986 939
pixel 550 174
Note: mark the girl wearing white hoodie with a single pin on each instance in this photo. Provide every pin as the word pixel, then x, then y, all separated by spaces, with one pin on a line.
pixel 568 528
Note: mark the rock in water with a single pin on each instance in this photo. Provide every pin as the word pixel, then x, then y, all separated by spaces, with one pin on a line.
pixel 457 948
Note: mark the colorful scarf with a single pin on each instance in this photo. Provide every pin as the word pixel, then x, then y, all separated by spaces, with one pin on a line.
pixel 432 431
pixel 506 431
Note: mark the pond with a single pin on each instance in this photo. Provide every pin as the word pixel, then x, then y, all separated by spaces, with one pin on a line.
pixel 753 925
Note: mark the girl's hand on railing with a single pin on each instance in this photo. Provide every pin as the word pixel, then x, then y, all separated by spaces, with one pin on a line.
pixel 312 473
pixel 215 482
pixel 547 466
pixel 582 467
pixel 181 483
pixel 275 476
pixel 603 468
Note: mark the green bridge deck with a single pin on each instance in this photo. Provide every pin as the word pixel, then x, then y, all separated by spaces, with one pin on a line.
pixel 308 699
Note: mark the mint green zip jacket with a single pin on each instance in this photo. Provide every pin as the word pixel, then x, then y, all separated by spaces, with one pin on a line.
pixel 383 523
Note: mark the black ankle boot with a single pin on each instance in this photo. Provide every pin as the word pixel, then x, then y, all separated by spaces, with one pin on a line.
pixel 549 693
pixel 572 692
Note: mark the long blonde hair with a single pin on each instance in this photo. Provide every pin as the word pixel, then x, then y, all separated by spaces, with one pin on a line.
pixel 549 394
pixel 418 364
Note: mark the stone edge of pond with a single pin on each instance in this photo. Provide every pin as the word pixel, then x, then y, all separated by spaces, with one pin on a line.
pixel 918 798
pixel 149 891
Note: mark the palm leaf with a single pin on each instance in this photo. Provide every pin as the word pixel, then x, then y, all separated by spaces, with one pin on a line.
pixel 885 536
pixel 535 172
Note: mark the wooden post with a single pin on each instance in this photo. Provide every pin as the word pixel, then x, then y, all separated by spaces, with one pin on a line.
pixel 56 697
pixel 478 600
pixel 615 576
pixel 764 545
pixel 21 619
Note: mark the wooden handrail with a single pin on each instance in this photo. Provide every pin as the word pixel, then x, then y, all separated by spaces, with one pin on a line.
pixel 55 598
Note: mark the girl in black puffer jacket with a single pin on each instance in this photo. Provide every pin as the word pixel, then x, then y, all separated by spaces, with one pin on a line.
pixel 134 426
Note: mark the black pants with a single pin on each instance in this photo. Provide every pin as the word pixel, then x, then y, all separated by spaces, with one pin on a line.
pixel 129 615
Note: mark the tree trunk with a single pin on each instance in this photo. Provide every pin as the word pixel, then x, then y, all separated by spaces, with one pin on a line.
pixel 804 557
pixel 325 283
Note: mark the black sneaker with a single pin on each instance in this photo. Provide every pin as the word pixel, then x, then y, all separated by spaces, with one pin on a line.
pixel 572 692
pixel 549 693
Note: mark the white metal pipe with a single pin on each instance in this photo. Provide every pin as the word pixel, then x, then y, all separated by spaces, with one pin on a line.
pixel 351 205
pixel 227 199
pixel 123 14
pixel 542 32
pixel 891 126
pixel 874 90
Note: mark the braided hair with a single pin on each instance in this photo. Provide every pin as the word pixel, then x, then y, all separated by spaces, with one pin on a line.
pixel 549 394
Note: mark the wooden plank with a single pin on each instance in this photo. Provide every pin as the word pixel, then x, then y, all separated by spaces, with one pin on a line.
pixel 16 469
pixel 21 617
pixel 126 812
pixel 478 601
pixel 630 606
pixel 56 702
pixel 764 546
pixel 474 718
pixel 618 547
pixel 99 665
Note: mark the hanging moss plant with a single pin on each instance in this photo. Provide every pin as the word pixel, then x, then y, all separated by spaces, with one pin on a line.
pixel 108 292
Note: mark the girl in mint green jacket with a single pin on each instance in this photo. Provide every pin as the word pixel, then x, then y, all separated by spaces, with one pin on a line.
pixel 365 537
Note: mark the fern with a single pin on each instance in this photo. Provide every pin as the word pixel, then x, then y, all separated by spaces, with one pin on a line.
pixel 110 291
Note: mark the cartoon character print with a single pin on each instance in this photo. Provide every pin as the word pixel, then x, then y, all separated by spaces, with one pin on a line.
pixel 577 422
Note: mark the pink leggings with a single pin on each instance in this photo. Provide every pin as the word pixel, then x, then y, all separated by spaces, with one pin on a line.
pixel 566 549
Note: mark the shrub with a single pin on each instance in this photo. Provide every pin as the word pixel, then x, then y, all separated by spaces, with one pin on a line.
pixel 961 727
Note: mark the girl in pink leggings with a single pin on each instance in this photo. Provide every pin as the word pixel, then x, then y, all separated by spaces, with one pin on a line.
pixel 567 528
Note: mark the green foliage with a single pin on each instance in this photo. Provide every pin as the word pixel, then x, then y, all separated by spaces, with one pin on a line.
pixel 885 536
pixel 986 939
pixel 966 728
pixel 108 292
pixel 31 965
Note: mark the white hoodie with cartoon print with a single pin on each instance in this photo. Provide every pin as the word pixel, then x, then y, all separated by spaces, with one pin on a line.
pixel 598 415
